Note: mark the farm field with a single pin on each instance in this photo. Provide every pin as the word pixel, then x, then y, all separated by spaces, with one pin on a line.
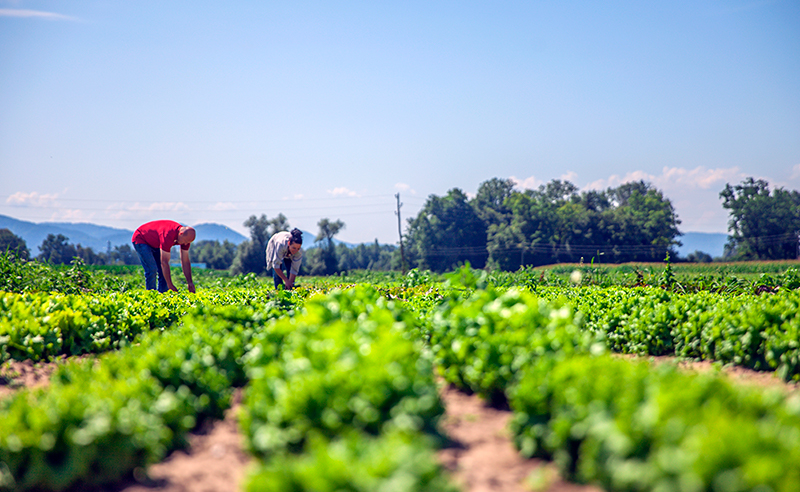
pixel 346 382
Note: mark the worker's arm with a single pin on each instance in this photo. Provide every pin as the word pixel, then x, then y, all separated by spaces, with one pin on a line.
pixel 186 266
pixel 280 273
pixel 290 283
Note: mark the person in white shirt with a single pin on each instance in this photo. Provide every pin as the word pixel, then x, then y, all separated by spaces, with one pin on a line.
pixel 284 256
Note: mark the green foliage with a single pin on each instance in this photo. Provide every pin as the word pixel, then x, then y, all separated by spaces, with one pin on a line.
pixel 633 222
pixel 216 255
pixel 346 363
pixel 42 326
pixel 629 426
pixel 18 275
pixel 341 393
pixel 481 341
pixel 10 242
pixel 758 332
pixel 324 259
pixel 764 224
pixel 372 257
pixel 101 419
pixel 446 232
pixel 356 462
pixel 55 249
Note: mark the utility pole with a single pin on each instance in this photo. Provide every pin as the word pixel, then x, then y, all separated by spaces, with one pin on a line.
pixel 400 233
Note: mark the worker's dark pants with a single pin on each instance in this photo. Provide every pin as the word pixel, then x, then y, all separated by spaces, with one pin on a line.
pixel 151 262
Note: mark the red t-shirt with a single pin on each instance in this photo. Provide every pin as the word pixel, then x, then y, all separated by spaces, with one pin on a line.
pixel 162 234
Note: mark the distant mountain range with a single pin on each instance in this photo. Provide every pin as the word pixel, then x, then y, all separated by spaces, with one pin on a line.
pixel 100 238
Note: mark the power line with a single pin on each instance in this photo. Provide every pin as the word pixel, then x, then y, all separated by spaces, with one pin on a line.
pixel 279 200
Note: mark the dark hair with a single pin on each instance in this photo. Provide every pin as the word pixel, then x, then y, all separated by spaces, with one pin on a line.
pixel 297 236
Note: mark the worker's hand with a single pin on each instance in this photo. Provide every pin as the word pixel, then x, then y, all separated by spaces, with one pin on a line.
pixel 289 285
pixel 191 287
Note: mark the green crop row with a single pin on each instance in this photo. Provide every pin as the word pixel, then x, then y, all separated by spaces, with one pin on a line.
pixel 633 427
pixel 358 383
pixel 625 425
pixel 101 418
pixel 757 332
pixel 480 342
pixel 342 397
pixel 40 326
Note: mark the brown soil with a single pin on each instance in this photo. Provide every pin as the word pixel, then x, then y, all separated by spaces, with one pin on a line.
pixel 214 461
pixel 25 374
pixel 481 457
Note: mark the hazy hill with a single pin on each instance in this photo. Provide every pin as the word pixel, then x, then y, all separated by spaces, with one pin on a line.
pixel 98 237
pixel 218 232
pixel 91 235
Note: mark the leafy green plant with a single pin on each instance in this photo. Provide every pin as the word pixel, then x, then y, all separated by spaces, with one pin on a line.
pixel 355 462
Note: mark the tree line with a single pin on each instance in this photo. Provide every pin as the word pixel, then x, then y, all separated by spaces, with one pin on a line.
pixel 247 257
pixel 503 228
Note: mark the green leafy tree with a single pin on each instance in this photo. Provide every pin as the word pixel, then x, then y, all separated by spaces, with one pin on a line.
pixel 216 255
pixel 55 249
pixel 372 256
pixel 646 224
pixel 277 224
pixel 699 257
pixel 490 200
pixel 88 255
pixel 13 243
pixel 327 231
pixel 763 224
pixel 122 255
pixel 251 254
pixel 446 232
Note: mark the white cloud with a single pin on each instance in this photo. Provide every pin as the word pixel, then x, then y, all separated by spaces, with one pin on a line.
pixel 405 187
pixel 699 177
pixel 158 207
pixel 38 14
pixel 33 199
pixel 73 215
pixel 169 206
pixel 342 191
pixel 223 206
pixel 795 171
pixel 674 177
pixel 694 193
pixel 530 183
pixel 124 211
pixel 570 176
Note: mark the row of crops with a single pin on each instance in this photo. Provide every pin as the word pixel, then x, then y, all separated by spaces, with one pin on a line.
pixel 340 391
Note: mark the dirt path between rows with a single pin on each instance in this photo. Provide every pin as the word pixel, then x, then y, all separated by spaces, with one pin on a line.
pixel 482 457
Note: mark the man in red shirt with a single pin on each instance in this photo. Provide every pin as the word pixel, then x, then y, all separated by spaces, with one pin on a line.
pixel 153 242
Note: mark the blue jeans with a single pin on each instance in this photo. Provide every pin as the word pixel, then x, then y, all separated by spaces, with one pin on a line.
pixel 287 266
pixel 151 262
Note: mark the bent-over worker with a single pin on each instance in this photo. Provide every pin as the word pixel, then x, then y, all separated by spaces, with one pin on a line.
pixel 284 256
pixel 153 242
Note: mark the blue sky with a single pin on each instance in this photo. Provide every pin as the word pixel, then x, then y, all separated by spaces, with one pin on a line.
pixel 119 112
